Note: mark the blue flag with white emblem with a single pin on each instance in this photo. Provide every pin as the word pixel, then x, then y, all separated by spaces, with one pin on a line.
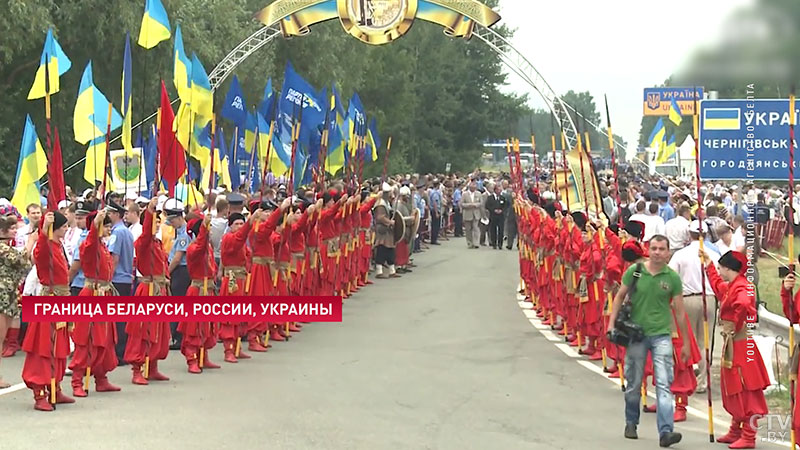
pixel 234 108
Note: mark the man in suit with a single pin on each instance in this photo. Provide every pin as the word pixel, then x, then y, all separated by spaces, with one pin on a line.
pixel 510 216
pixel 484 223
pixel 496 205
pixel 471 211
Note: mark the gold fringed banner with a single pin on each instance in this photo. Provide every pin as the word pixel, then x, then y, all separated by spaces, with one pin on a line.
pixel 570 183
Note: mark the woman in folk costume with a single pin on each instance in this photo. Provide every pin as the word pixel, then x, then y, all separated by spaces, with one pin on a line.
pixel 148 342
pixel 791 310
pixel 234 256
pixel 199 337
pixel 95 341
pixel 46 344
pixel 743 376
pixel 329 233
pixel 365 236
pixel 14 267
pixel 259 280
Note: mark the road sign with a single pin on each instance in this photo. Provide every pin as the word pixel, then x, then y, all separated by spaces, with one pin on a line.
pixel 657 100
pixel 744 139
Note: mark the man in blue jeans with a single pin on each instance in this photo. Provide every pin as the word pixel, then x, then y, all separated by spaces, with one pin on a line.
pixel 657 284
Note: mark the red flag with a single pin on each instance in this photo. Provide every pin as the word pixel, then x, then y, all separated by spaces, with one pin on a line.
pixel 55 173
pixel 170 152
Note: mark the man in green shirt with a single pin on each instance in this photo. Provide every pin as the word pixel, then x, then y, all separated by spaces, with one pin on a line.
pixel 657 285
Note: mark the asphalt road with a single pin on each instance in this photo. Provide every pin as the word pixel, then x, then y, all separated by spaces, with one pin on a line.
pixel 442 358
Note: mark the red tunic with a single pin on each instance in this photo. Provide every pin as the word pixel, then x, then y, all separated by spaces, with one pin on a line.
pixel 148 338
pixel 260 238
pixel 744 382
pixel 97 264
pixel 280 242
pixel 791 309
pixel 46 343
pixel 233 253
pixel 202 267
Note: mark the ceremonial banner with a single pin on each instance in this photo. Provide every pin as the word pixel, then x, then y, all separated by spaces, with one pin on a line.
pixel 133 175
pixel 570 184
pixel 378 22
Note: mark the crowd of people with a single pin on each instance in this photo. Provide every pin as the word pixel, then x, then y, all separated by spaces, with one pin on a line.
pixel 642 250
pixel 316 241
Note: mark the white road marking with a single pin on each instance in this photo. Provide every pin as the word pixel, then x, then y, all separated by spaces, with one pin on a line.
pixel 550 336
pixel 13 388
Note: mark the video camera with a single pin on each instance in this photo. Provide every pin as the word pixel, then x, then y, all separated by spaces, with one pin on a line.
pixel 625 331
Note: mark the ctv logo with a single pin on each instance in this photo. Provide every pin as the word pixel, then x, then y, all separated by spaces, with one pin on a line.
pixel 776 427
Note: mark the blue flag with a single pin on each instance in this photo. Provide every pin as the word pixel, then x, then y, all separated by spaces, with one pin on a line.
pixel 233 162
pixel 265 108
pixel 150 150
pixel 234 108
pixel 296 89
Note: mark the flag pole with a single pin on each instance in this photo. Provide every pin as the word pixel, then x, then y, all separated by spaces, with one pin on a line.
pixel 620 367
pixel 700 213
pixel 50 230
pixel 792 318
pixel 386 157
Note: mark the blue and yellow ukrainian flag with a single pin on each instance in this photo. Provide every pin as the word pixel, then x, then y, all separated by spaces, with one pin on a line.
pixel 155 25
pixel 31 167
pixel 127 73
pixel 58 64
pixel 722 119
pixel 202 100
pixel 373 140
pixel 657 135
pixel 90 119
pixel 181 69
pixel 666 152
pixel 675 113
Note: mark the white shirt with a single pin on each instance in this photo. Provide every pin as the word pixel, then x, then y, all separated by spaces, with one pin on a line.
pixel 71 239
pixel 738 240
pixel 677 231
pixel 136 230
pixel 722 247
pixel 686 262
pixel 21 238
pixel 653 225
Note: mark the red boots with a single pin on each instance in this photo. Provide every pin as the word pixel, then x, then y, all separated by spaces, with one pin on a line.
pixel 748 437
pixel 254 343
pixel 101 384
pixel 734 433
pixel 41 398
pixel 11 344
pixel 138 376
pixel 680 408
pixel 155 375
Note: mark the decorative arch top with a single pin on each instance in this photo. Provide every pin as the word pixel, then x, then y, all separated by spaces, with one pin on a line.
pixel 378 22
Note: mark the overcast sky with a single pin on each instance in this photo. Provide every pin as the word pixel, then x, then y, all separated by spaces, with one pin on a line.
pixel 611 38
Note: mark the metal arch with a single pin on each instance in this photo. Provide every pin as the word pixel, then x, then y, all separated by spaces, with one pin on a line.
pixel 242 51
pixel 520 65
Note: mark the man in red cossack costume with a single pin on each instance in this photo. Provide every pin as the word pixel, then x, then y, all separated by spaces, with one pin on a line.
pixel 148 342
pixel 234 260
pixel 743 376
pixel 46 344
pixel 199 337
pixel 95 341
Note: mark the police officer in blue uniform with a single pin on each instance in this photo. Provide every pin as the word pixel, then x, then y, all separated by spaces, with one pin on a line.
pixel 77 278
pixel 179 274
